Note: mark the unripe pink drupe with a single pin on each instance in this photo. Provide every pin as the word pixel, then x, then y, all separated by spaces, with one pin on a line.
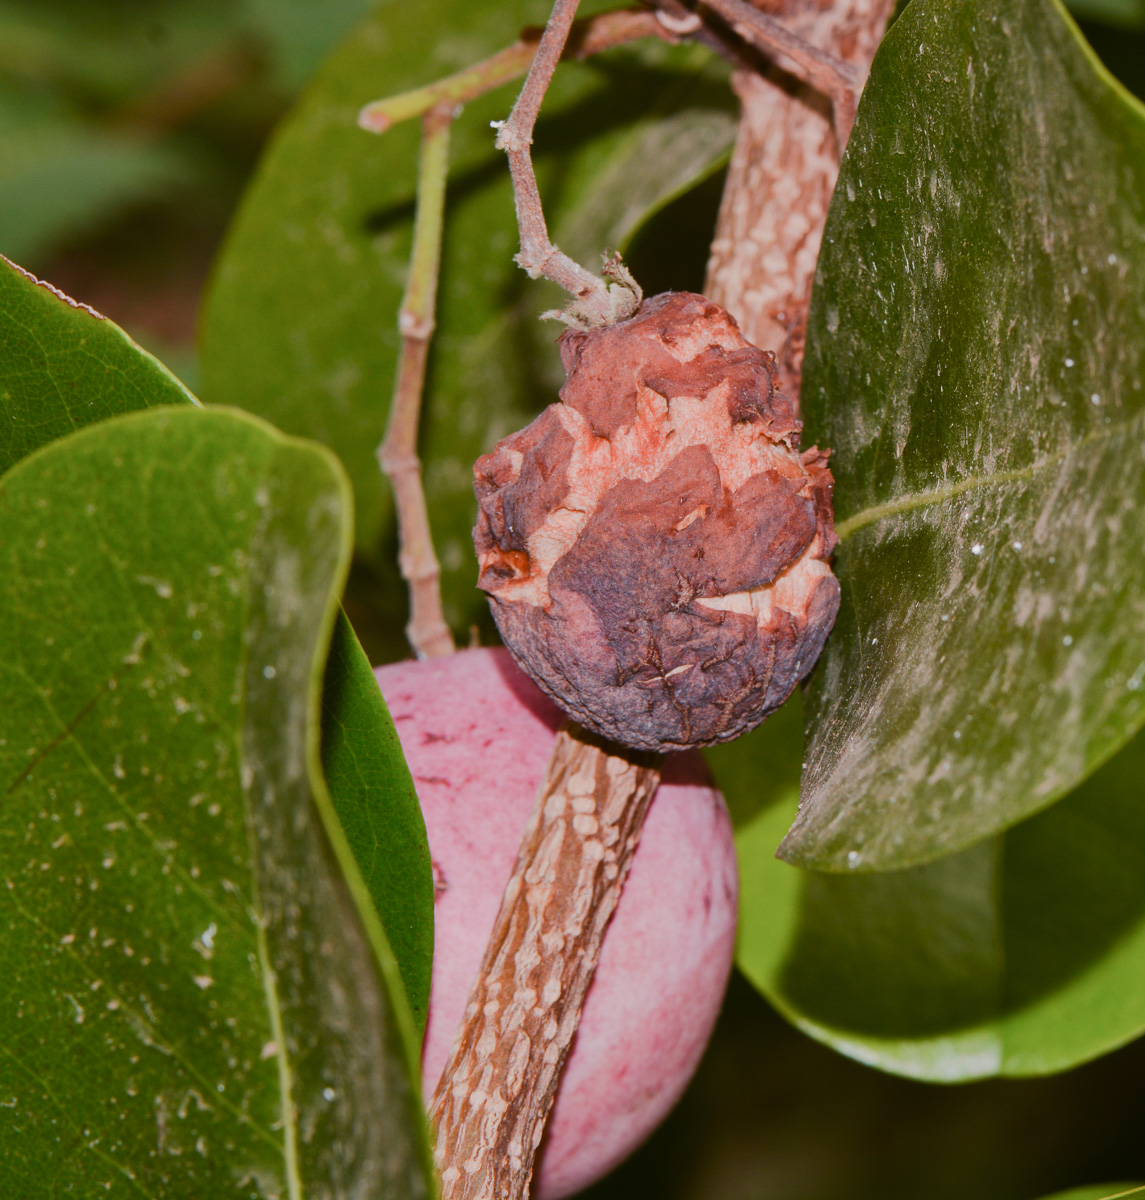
pixel 477 734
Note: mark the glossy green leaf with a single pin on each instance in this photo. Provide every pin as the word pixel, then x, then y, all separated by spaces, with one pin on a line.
pixel 976 359
pixel 1022 955
pixel 378 810
pixel 197 995
pixel 63 366
pixel 300 325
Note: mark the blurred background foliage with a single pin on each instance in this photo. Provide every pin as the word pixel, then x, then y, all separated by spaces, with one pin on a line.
pixel 128 129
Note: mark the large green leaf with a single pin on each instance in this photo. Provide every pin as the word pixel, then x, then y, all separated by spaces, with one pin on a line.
pixel 1022 955
pixel 300 325
pixel 976 358
pixel 197 994
pixel 378 810
pixel 63 367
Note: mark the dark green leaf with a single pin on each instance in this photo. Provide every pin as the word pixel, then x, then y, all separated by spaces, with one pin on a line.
pixel 378 809
pixel 197 995
pixel 1022 955
pixel 301 323
pixel 62 366
pixel 976 358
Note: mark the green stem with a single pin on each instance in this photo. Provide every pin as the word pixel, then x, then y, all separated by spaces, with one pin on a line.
pixel 587 37
pixel 427 631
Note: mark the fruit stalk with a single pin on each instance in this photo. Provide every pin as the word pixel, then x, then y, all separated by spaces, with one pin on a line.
pixel 498 1086
pixel 596 301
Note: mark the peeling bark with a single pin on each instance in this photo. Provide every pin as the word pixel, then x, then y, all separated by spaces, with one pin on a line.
pixel 782 174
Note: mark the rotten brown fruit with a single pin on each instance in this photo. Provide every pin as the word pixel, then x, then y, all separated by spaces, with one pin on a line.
pixel 655 547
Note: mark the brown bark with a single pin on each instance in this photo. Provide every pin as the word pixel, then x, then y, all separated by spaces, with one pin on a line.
pixel 499 1083
pixel 782 174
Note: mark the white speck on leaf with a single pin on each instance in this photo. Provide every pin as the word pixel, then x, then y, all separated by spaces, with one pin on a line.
pixel 162 588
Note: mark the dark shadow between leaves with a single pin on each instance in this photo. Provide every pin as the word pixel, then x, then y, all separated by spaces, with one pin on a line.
pixel 982 935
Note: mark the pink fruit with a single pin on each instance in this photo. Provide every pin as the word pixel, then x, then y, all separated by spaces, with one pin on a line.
pixel 477 734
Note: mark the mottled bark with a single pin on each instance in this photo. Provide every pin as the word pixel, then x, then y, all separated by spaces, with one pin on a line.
pixel 782 174
pixel 498 1086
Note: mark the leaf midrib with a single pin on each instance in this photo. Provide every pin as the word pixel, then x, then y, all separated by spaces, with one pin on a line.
pixel 914 501
pixel 267 973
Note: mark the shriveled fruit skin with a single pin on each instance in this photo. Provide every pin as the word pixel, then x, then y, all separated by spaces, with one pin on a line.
pixel 655 546
pixel 477 734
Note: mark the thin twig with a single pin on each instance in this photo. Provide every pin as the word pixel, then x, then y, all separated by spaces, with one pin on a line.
pixel 818 69
pixel 437 104
pixel 427 631
pixel 587 37
pixel 597 302
pixel 498 1086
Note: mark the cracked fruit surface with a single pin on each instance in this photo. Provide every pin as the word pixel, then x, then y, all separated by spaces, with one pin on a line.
pixel 477 735
pixel 655 546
